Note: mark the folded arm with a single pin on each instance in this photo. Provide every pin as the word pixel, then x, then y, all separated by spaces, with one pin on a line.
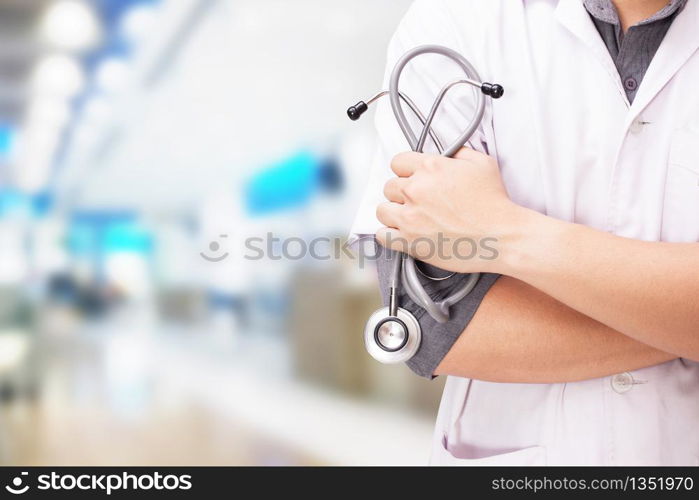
pixel 520 334
pixel 649 291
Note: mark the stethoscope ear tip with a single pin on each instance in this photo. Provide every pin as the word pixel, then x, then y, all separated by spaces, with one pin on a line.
pixel 493 90
pixel 354 112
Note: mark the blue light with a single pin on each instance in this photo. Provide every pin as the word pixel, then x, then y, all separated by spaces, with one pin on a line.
pixel 82 239
pixel 7 139
pixel 286 185
pixel 101 232
pixel 11 201
pixel 127 237
pixel 41 204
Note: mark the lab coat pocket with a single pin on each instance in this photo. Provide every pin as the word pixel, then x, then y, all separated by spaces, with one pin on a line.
pixel 681 206
pixel 533 455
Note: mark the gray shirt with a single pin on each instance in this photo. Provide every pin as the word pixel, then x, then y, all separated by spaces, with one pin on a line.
pixel 632 53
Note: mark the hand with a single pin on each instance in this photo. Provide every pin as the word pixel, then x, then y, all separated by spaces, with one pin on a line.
pixel 453 213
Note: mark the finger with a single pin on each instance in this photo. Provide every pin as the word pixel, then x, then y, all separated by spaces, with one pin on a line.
pixel 393 189
pixel 388 213
pixel 405 164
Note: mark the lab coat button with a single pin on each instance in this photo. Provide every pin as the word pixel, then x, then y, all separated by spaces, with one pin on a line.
pixel 622 382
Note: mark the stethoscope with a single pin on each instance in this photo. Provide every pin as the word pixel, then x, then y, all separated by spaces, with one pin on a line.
pixel 392 334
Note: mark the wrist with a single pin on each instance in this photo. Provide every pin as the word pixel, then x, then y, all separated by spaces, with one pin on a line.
pixel 531 243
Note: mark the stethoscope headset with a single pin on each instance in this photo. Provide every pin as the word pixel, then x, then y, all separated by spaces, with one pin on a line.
pixel 392 334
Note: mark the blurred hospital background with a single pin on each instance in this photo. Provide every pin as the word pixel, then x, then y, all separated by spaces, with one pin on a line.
pixel 141 143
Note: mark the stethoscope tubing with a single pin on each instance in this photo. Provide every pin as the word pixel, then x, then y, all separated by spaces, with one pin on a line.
pixel 405 271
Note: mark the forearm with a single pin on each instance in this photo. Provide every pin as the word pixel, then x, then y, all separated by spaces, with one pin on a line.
pixel 520 334
pixel 647 290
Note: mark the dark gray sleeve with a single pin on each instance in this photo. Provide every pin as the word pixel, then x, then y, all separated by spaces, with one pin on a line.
pixel 437 338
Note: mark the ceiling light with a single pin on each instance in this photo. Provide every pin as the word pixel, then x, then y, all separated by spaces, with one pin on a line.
pixel 70 24
pixel 58 76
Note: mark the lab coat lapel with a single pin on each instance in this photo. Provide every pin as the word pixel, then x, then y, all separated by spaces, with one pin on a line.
pixel 680 42
pixel 575 18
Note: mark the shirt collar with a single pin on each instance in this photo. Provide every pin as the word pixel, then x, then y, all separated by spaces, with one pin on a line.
pixel 605 11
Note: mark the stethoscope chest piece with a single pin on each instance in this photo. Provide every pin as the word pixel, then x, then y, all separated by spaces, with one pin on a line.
pixel 392 339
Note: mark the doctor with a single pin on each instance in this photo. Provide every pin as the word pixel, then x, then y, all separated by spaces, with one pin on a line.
pixel 580 344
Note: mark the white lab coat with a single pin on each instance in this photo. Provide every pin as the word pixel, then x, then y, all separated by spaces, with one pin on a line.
pixel 571 146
